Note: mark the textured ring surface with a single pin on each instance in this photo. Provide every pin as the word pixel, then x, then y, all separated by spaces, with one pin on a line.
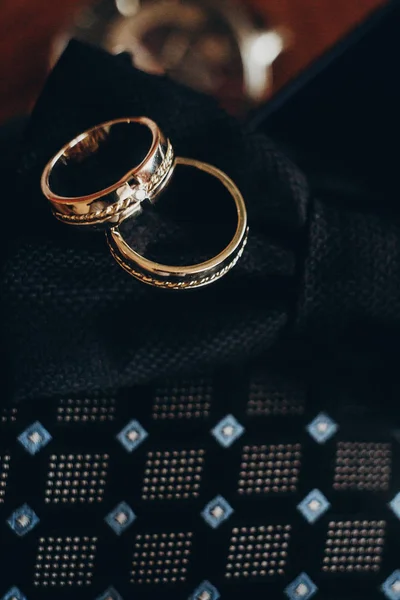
pixel 121 198
pixel 193 276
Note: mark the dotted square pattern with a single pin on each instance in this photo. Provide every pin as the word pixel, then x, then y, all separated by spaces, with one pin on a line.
pixel 65 561
pixel 8 414
pixel 274 396
pixel 354 546
pixel 259 551
pixel 186 399
pixel 362 466
pixel 272 468
pixel 161 557
pixel 76 478
pixel 173 474
pixel 83 410
pixel 4 469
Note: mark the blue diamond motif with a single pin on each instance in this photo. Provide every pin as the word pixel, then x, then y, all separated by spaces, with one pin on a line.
pixel 34 438
pixel 322 428
pixel 227 431
pixel 23 520
pixel 110 594
pixel 302 588
pixel 120 518
pixel 205 591
pixel 132 436
pixel 313 506
pixel 217 511
pixel 391 587
pixel 14 594
pixel 395 505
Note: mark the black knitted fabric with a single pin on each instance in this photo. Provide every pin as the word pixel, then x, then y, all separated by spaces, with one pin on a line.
pixel 305 327
pixel 75 320
pixel 72 314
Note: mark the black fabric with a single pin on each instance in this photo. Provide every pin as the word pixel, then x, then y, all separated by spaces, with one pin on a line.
pixel 75 320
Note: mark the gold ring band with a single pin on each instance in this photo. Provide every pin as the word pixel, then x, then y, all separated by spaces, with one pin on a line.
pixel 193 276
pixel 119 199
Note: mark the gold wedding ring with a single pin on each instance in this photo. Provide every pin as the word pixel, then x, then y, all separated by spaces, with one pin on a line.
pixel 102 177
pixel 193 276
pixel 125 188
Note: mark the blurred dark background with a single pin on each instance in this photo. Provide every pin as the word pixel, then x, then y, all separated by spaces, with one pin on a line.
pixel 240 51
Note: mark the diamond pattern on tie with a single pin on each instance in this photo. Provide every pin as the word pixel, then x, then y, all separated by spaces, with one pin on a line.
pixel 227 431
pixel 217 511
pixel 120 518
pixel 205 591
pixel 235 482
pixel 322 428
pixel 23 520
pixel 132 436
pixel 302 588
pixel 395 505
pixel 14 594
pixel 34 438
pixel 313 506
pixel 391 587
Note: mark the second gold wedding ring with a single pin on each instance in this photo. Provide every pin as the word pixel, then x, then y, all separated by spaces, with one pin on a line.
pixel 103 175
pixel 191 276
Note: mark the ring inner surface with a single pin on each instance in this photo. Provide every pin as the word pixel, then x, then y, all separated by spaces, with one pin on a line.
pixel 193 221
pixel 100 159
